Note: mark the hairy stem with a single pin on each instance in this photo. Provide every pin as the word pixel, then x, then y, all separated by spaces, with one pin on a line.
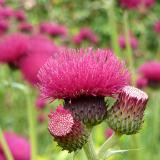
pixel 32 126
pixel 5 147
pixel 89 150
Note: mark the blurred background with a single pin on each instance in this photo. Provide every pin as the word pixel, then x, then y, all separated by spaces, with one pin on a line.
pixel 31 30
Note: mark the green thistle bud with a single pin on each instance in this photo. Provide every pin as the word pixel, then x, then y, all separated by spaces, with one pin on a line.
pixel 126 116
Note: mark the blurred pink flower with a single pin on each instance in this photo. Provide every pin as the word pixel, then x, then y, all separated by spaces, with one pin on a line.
pixel 40 103
pixel 53 29
pixel 3 26
pixel 41 118
pixel 72 73
pixel 151 71
pixel 20 15
pixel 25 27
pixel 157 27
pixel 2 2
pixel 2 157
pixel 108 132
pixel 6 12
pixel 40 48
pixel 134 4
pixel 18 145
pixel 141 82
pixel 133 42
pixel 13 47
pixel 85 34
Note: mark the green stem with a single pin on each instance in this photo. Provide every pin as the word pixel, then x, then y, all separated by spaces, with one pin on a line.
pixel 32 126
pixel 112 141
pixel 89 150
pixel 5 146
pixel 129 53
pixel 113 28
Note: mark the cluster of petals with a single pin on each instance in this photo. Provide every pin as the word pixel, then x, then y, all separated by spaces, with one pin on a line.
pixel 20 15
pixel 4 25
pixel 25 27
pixel 85 34
pixel 72 73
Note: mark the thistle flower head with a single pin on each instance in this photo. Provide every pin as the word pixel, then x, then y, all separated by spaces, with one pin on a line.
pixel 6 12
pixel 25 27
pixel 141 82
pixel 85 34
pixel 39 50
pixel 157 27
pixel 151 71
pixel 69 133
pixel 73 73
pixel 13 47
pixel 20 15
pixel 108 132
pixel 133 42
pixel 16 142
pixel 3 26
pixel 53 29
pixel 126 116
pixel 134 4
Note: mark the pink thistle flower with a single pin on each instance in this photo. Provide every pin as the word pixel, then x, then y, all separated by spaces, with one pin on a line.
pixel 53 29
pixel 151 71
pixel 82 72
pixel 25 27
pixel 126 116
pixel 18 145
pixel 20 15
pixel 85 34
pixel 3 26
pixel 83 78
pixel 133 42
pixel 40 48
pixel 157 27
pixel 6 12
pixel 13 47
pixel 2 157
pixel 2 2
pixel 108 132
pixel 69 133
pixel 134 4
pixel 141 82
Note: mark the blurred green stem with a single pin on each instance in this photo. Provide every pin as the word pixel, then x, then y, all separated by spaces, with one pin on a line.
pixel 32 126
pixel 5 146
pixel 89 149
pixel 113 27
pixel 129 53
pixel 112 141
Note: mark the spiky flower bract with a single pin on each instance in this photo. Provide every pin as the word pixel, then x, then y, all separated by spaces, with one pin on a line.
pixel 70 134
pixel 126 116
pixel 83 78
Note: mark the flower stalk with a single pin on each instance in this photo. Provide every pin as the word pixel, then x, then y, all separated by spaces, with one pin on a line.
pixel 89 149
pixel 5 147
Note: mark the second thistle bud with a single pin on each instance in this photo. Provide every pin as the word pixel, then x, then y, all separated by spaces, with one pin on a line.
pixel 70 134
pixel 126 116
